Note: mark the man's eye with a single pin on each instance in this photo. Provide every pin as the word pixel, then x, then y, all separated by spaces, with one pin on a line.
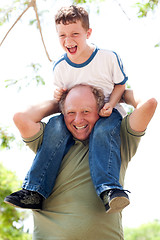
pixel 86 112
pixel 61 36
pixel 70 113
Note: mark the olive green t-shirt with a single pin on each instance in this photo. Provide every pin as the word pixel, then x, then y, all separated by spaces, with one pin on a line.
pixel 73 211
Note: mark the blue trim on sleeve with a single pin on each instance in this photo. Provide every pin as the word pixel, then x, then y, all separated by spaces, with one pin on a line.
pixel 56 62
pixel 122 70
pixel 123 82
pixel 82 64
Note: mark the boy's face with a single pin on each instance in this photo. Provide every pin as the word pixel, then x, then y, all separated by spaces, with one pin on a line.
pixel 72 38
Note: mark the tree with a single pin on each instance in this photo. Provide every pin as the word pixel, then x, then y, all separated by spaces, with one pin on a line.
pixel 145 8
pixel 149 231
pixel 11 219
pixel 23 6
pixel 5 138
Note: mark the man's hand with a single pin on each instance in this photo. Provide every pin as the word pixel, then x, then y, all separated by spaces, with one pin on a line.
pixel 58 93
pixel 106 110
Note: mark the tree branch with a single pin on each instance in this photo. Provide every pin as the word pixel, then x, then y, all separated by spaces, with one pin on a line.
pixel 40 30
pixel 123 10
pixel 32 3
pixel 29 5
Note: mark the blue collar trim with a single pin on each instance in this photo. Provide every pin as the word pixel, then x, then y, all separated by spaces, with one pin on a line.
pixel 81 64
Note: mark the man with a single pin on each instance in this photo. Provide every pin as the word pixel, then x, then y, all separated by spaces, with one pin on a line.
pixel 73 210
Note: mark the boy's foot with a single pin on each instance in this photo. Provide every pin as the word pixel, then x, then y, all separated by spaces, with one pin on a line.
pixel 25 199
pixel 115 200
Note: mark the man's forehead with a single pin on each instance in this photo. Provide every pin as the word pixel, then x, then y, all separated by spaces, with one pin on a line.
pixel 81 107
pixel 81 96
pixel 78 91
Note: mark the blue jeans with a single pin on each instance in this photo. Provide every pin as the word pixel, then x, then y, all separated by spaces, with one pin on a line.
pixel 104 155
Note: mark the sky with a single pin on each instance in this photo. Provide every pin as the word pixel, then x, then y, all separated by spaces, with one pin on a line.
pixel 133 39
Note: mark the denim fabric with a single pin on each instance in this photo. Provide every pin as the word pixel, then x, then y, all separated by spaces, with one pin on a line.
pixel 104 155
pixel 56 142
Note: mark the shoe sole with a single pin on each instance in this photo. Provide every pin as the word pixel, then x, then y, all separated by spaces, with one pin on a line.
pixel 117 204
pixel 14 205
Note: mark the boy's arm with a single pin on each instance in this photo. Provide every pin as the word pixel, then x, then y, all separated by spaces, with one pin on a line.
pixel 58 93
pixel 27 121
pixel 114 99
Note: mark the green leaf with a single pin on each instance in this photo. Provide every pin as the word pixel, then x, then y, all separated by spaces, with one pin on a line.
pixel 5 138
pixel 157 45
pixel 11 219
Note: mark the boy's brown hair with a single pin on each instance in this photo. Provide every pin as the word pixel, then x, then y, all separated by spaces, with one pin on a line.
pixel 72 14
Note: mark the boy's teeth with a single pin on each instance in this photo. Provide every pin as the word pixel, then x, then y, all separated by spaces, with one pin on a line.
pixel 72 49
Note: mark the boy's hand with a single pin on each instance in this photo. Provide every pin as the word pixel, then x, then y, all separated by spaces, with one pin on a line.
pixel 106 110
pixel 58 93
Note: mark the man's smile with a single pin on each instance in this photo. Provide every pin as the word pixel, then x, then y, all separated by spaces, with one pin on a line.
pixel 82 127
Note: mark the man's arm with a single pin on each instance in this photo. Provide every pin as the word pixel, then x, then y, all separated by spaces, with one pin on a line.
pixel 141 116
pixel 143 111
pixel 27 121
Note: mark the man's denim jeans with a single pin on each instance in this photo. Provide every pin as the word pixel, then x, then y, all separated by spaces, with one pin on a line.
pixel 104 155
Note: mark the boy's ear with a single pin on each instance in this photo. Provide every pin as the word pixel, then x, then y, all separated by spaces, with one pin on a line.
pixel 89 32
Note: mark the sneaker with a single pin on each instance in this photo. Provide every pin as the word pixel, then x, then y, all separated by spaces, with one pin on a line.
pixel 115 200
pixel 25 199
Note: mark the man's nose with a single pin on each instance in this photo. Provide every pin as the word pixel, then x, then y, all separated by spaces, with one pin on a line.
pixel 78 118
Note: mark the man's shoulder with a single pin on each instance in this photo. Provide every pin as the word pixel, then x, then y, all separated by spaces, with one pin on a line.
pixel 130 140
pixel 127 130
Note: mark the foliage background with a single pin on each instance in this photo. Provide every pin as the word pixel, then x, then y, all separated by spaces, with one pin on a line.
pixel 11 220
pixel 26 77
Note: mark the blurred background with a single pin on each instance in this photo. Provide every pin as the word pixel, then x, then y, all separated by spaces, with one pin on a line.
pixel 131 29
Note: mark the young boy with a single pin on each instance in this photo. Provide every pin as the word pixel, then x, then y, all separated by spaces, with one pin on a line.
pixel 81 64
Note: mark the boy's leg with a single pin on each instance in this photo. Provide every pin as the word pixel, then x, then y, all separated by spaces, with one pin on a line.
pixel 105 161
pixel 42 175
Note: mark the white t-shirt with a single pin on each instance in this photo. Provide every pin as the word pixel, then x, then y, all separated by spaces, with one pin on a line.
pixel 103 69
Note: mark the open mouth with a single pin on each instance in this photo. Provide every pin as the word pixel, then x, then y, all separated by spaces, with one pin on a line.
pixel 80 128
pixel 72 50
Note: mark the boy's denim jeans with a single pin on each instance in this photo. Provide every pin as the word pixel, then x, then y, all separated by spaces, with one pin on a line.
pixel 104 155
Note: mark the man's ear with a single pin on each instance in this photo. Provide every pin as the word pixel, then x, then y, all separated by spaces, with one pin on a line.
pixel 89 32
